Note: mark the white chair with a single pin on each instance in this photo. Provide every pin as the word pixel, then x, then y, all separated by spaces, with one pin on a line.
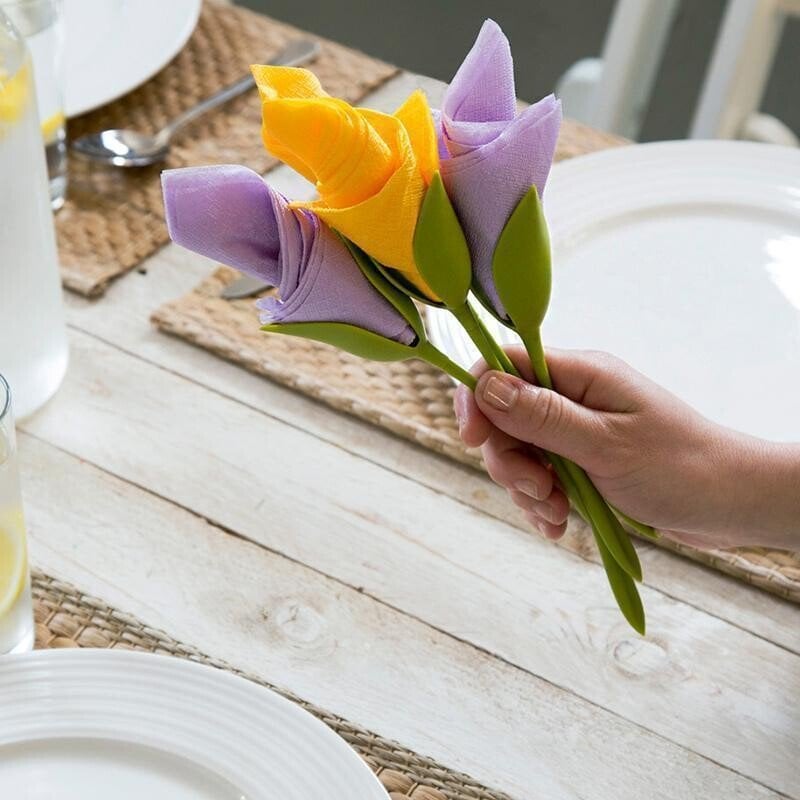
pixel 737 76
pixel 612 92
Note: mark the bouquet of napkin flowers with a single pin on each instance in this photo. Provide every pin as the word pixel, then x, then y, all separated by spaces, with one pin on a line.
pixel 438 207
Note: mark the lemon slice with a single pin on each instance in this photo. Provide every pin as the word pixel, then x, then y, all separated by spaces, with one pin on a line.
pixel 13 94
pixel 51 126
pixel 13 559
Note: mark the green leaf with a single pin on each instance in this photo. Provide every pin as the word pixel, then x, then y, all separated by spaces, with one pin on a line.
pixel 521 264
pixel 624 589
pixel 440 248
pixel 402 284
pixel 605 524
pixel 357 341
pixel 375 275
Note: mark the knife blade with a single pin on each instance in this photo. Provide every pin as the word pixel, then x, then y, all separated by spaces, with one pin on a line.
pixel 246 286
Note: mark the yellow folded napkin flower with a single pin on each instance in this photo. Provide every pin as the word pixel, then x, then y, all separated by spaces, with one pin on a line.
pixel 371 169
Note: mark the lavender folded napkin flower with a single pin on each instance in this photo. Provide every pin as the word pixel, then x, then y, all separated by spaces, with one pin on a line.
pixel 490 155
pixel 230 214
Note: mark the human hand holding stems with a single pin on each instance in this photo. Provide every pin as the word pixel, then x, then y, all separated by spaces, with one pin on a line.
pixel 648 453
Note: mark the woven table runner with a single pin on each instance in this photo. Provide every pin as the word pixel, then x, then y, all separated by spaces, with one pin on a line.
pixel 65 617
pixel 113 218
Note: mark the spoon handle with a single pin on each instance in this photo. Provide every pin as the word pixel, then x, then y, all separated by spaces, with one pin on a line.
pixel 297 52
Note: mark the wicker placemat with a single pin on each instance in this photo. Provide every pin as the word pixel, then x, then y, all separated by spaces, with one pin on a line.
pixel 65 617
pixel 411 399
pixel 113 218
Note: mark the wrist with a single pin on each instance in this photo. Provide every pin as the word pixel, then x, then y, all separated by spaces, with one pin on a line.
pixel 763 490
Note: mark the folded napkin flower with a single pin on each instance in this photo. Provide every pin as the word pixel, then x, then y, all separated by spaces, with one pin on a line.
pixel 229 214
pixel 490 155
pixel 371 169
pixel 421 205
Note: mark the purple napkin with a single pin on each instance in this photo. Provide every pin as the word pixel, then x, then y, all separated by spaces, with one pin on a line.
pixel 490 155
pixel 229 214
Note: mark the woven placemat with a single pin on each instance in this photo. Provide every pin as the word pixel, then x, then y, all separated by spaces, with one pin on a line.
pixel 113 218
pixel 411 399
pixel 65 617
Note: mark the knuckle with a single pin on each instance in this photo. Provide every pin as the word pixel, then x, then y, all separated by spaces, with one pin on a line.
pixel 606 362
pixel 545 412
pixel 494 466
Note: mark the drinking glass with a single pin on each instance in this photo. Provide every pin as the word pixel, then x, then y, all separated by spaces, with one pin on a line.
pixel 40 22
pixel 33 336
pixel 16 610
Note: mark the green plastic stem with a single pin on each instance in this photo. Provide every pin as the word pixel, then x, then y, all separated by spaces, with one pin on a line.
pixel 607 526
pixel 466 316
pixel 622 584
pixel 427 352
pixel 643 530
pixel 500 354
pixel 543 376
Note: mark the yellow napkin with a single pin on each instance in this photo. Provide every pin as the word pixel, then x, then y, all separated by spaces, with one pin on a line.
pixel 371 169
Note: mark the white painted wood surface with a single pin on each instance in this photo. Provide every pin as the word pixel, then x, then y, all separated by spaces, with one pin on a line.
pixel 388 584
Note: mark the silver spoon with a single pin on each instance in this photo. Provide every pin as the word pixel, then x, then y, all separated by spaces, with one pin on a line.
pixel 125 148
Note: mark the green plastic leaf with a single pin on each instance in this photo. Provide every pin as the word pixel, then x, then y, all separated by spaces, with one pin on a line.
pixel 399 299
pixel 521 264
pixel 624 589
pixel 357 341
pixel 405 286
pixel 605 525
pixel 440 248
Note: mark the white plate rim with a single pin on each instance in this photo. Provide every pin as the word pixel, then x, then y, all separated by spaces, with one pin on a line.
pixel 180 15
pixel 94 693
pixel 576 185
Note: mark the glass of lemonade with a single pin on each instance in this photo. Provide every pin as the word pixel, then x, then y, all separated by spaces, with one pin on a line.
pixel 16 610
pixel 40 22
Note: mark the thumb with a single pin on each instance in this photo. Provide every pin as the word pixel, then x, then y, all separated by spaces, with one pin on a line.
pixel 541 417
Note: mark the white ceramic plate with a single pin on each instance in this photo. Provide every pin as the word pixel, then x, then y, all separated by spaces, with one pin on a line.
pixel 683 258
pixel 95 724
pixel 113 46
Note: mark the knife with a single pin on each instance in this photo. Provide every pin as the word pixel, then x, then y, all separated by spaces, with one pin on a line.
pixel 246 286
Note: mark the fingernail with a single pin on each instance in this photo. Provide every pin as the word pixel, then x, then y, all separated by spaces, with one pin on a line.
pixel 529 488
pixel 500 393
pixel 548 512
pixel 460 406
pixel 536 524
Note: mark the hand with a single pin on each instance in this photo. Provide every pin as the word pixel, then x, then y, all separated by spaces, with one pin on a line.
pixel 648 453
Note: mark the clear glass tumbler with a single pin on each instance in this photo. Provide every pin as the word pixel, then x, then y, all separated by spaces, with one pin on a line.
pixel 40 22
pixel 33 337
pixel 16 609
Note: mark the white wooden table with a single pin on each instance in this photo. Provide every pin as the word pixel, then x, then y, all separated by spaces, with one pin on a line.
pixel 387 584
